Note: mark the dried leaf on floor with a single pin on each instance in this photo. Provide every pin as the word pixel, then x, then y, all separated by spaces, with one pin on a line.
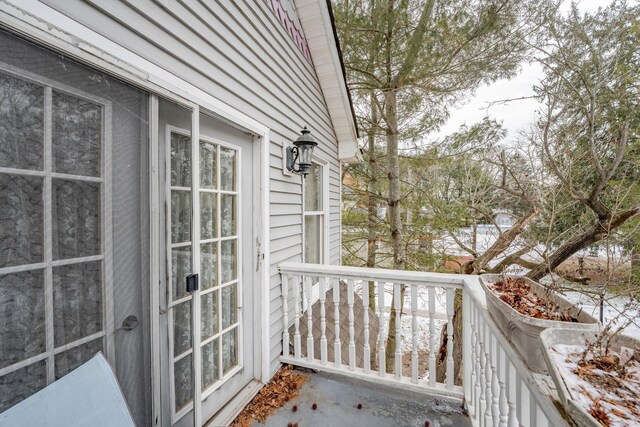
pixel 284 386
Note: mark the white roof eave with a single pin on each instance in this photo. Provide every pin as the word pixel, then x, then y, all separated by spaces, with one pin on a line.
pixel 316 22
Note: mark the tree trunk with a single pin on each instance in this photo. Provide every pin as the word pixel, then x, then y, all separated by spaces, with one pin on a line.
pixel 474 235
pixel 635 260
pixel 393 200
pixel 441 356
pixel 372 203
pixel 390 112
pixel 599 230
pixel 501 244
pixel 395 218
pixel 394 317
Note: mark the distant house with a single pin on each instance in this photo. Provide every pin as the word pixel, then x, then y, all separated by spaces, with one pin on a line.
pixel 145 203
pixel 505 219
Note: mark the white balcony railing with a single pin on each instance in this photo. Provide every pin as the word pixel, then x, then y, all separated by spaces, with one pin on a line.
pixel 496 387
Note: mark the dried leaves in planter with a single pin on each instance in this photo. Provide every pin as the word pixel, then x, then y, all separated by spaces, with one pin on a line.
pixel 284 386
pixel 519 295
pixel 615 379
pixel 599 413
pixel 603 381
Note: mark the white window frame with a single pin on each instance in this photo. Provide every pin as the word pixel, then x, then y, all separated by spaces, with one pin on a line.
pixel 324 250
pixel 324 212
pixel 48 263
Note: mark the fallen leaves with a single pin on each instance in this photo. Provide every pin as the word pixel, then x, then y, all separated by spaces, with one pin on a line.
pixel 284 386
pixel 618 396
pixel 518 294
pixel 600 414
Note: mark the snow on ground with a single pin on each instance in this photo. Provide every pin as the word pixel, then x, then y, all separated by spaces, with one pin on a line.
pixel 612 309
pixel 422 317
pixel 487 234
pixel 422 332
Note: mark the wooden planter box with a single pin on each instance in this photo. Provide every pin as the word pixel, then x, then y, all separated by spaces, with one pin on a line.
pixel 524 331
pixel 551 337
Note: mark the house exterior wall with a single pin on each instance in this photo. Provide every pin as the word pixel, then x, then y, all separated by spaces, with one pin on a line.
pixel 240 53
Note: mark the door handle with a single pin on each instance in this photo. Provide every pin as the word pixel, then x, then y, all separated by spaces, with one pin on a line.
pixel 130 323
pixel 192 282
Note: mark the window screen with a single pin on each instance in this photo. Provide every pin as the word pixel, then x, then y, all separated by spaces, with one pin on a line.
pixel 73 221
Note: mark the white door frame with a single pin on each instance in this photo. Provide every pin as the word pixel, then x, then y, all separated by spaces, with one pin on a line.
pixel 261 218
pixel 50 28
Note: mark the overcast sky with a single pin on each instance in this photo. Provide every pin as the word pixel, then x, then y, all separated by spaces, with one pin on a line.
pixel 514 115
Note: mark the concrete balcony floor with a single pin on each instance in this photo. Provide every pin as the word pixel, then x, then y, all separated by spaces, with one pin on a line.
pixel 337 400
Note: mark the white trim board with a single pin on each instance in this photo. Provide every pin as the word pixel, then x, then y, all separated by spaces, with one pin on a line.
pixel 154 261
pixel 316 22
pixel 46 25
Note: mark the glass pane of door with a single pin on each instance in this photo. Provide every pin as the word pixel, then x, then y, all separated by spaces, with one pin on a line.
pixel 53 199
pixel 180 266
pixel 21 219
pixel 22 118
pixel 21 305
pixel 219 322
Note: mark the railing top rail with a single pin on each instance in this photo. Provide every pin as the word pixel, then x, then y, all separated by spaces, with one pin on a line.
pixel 375 274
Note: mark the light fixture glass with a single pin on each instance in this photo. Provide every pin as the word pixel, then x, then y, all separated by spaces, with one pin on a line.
pixel 299 156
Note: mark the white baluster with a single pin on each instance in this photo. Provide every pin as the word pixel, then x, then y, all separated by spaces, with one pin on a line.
pixel 352 331
pixel 533 411
pixel 285 315
pixel 524 412
pixel 482 406
pixel 511 395
pixel 367 349
pixel 479 366
pixel 502 398
pixel 495 387
pixel 398 308
pixel 414 334
pixel 449 339
pixel 467 355
pixel 309 295
pixel 487 376
pixel 432 337
pixel 472 392
pixel 336 325
pixel 296 336
pixel 541 419
pixel 323 321
pixel 382 362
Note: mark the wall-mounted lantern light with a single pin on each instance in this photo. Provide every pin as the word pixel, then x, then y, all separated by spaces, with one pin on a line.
pixel 299 156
